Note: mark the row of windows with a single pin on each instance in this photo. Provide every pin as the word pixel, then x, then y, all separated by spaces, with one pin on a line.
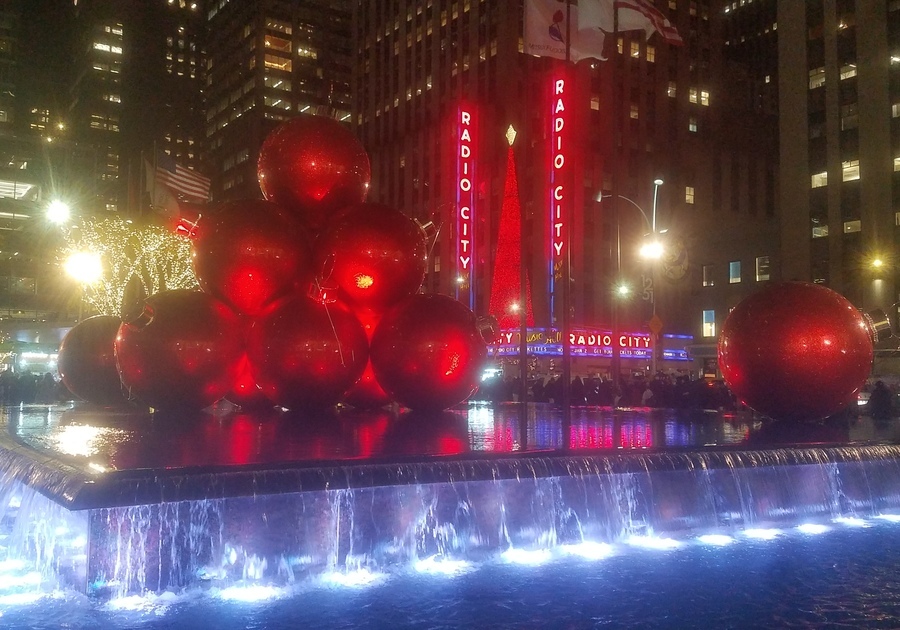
pixel 850 226
pixel 817 75
pixel 849 173
pixel 734 272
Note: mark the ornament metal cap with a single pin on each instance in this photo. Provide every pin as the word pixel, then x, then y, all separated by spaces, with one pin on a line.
pixel 879 324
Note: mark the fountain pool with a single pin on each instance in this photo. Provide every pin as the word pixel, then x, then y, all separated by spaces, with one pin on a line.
pixel 484 516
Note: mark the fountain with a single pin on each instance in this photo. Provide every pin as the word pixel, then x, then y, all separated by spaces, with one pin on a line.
pixel 104 502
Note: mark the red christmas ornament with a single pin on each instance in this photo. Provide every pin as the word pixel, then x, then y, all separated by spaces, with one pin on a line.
pixel 182 352
pixel 427 352
pixel 796 351
pixel 87 361
pixel 374 254
pixel 248 253
pixel 245 393
pixel 314 166
pixel 367 393
pixel 305 353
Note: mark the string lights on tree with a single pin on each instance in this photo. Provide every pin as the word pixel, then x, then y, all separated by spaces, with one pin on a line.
pixel 150 256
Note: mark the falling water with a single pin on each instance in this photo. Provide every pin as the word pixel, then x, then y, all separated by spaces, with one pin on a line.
pixel 453 510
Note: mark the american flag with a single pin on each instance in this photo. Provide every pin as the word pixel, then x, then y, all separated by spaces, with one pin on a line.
pixel 189 185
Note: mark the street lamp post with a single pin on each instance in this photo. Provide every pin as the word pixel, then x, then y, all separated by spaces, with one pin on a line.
pixel 652 250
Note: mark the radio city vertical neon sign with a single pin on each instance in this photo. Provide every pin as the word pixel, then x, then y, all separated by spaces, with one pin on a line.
pixel 558 190
pixel 465 197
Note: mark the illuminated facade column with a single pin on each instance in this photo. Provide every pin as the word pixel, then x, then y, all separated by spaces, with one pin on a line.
pixel 560 193
pixel 465 210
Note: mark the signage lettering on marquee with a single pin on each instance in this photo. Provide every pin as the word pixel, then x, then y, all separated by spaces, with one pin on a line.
pixel 465 170
pixel 558 190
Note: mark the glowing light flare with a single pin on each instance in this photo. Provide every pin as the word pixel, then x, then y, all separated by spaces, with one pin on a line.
pixel 891 518
pixel 717 540
pixel 58 212
pixel 812 528
pixel 85 267
pixel 652 542
pixel 851 521
pixel 589 550
pixel 652 250
pixel 354 579
pixel 435 565
pixel 364 281
pixel 532 557
pixel 763 533
pixel 251 594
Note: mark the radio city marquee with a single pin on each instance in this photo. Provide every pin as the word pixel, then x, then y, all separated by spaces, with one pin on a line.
pixel 598 343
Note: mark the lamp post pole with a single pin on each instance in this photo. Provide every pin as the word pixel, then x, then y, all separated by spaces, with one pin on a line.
pixel 651 250
pixel 654 320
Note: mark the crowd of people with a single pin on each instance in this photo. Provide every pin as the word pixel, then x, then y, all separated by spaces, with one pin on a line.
pixel 663 390
pixel 28 387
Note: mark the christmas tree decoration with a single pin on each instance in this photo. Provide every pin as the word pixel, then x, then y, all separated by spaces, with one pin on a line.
pixel 796 351
pixel 313 166
pixel 87 361
pixel 506 301
pixel 181 352
pixel 249 253
pixel 427 352
pixel 374 255
pixel 306 354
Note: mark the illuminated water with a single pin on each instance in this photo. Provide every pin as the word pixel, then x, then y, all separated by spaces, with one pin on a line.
pixel 846 576
pixel 476 518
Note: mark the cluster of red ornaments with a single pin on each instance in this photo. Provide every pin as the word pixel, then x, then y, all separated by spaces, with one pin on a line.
pixel 309 298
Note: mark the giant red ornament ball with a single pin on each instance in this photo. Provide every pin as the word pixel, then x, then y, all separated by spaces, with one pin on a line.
pixel 248 253
pixel 313 166
pixel 367 393
pixel 374 254
pixel 306 354
pixel 427 352
pixel 796 351
pixel 87 361
pixel 181 352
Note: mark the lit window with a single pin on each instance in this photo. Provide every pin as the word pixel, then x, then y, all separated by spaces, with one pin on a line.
pixel 848 71
pixel 692 95
pixel 709 323
pixel 708 276
pixel 689 194
pixel 692 124
pixel 704 98
pixel 595 102
pixel 897 218
pixel 651 54
pixel 670 91
pixel 99 46
pixel 635 50
pixel 634 111
pixel 852 226
pixel 819 179
pixel 816 78
pixel 850 170
pixel 819 231
pixel 896 164
pixel 734 272
pixel 762 268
